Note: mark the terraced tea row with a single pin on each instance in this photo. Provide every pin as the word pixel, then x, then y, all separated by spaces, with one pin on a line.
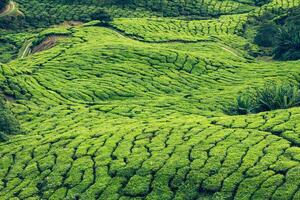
pixel 163 29
pixel 45 13
pixel 198 8
pixel 278 6
pixel 126 158
pixel 109 117
pixel 162 69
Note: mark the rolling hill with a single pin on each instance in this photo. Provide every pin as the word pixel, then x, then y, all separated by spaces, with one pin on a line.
pixel 136 107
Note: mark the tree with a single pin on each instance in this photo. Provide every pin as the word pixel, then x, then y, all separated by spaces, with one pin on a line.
pixel 3 3
pixel 123 2
pixel 288 37
pixel 288 44
pixel 265 34
pixel 103 16
pixel 280 33
pixel 261 2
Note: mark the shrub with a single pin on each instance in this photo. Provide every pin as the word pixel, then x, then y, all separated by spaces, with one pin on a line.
pixel 103 16
pixel 3 136
pixel 269 97
pixel 278 96
pixel 245 103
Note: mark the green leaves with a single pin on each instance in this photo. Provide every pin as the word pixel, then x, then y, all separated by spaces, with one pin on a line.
pixel 288 43
pixel 8 123
pixel 246 103
pixel 269 97
pixel 281 33
pixel 278 96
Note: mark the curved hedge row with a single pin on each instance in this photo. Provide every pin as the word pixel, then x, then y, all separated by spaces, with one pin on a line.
pixel 44 13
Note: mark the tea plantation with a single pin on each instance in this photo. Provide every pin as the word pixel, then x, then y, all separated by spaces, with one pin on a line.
pixel 138 107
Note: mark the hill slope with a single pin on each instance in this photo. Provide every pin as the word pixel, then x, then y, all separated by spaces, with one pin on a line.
pixel 136 111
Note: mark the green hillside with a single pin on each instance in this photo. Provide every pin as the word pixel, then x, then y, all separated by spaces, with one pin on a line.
pixel 134 99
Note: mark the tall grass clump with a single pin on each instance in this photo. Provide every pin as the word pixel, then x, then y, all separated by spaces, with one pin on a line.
pixel 272 96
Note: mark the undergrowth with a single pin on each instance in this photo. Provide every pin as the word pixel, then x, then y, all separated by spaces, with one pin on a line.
pixel 8 123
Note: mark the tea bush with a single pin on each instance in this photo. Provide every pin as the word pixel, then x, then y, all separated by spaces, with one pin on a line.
pixel 135 110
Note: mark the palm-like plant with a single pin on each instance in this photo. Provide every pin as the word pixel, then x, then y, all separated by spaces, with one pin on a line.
pixel 288 43
pixel 269 97
pixel 245 103
pixel 277 96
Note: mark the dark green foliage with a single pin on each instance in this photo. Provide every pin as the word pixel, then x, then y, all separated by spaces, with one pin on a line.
pixel 9 46
pixel 103 16
pixel 124 2
pixel 288 44
pixel 7 51
pixel 281 33
pixel 3 3
pixel 293 18
pixel 265 35
pixel 288 38
pixel 271 96
pixel 3 136
pixel 8 123
pixel 278 96
pixel 261 2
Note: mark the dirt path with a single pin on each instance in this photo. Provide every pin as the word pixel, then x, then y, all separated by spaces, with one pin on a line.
pixel 9 9
pixel 47 43
pixel 228 49
pixel 141 39
pixel 25 50
pixel 222 46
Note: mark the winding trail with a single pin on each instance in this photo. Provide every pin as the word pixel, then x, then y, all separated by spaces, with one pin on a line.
pixel 9 9
pixel 140 39
pixel 25 50
pixel 226 48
